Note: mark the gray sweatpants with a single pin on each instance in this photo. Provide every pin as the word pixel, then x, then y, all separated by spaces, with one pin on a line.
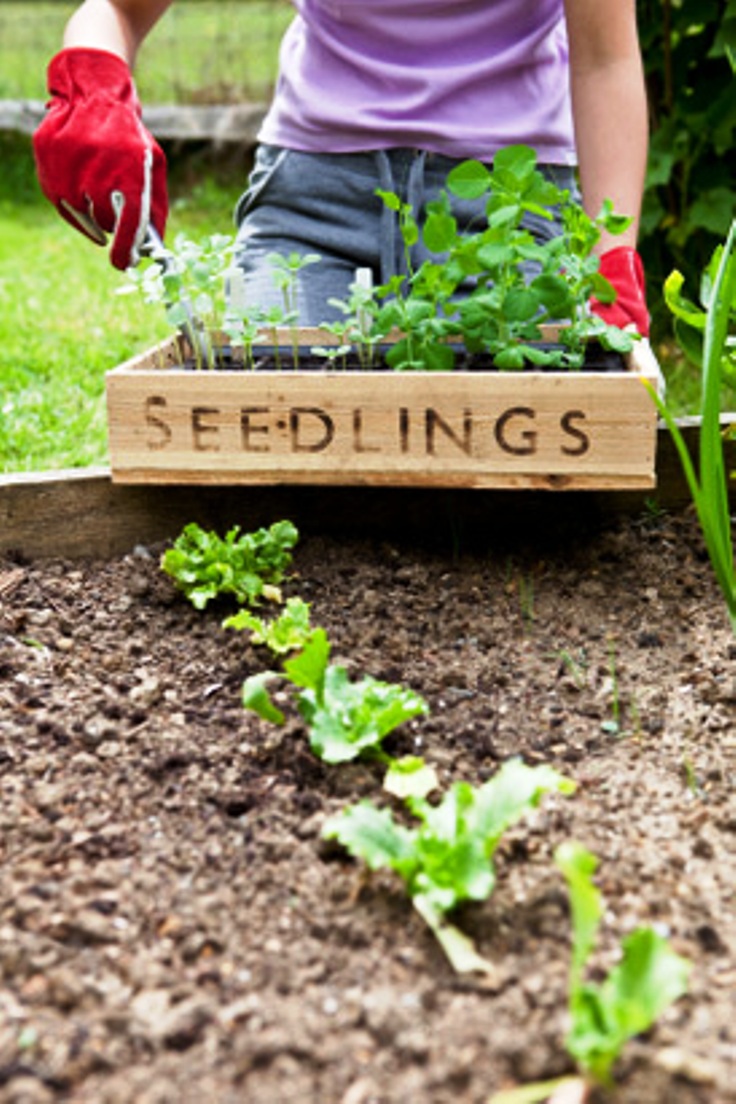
pixel 326 204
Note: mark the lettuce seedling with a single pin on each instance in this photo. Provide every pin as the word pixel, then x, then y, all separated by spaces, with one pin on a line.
pixel 448 858
pixel 345 719
pixel 604 1016
pixel 249 566
pixel 649 977
pixel 286 633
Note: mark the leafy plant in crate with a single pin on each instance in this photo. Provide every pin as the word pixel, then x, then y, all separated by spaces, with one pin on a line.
pixel 490 292
pixel 497 288
pixel 188 282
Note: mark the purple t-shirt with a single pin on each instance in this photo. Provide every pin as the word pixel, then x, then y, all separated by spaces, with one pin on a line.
pixel 458 77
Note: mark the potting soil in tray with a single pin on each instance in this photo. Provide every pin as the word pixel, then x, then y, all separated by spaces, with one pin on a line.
pixel 597 359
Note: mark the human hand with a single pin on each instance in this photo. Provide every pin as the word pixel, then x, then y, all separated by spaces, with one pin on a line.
pixel 623 269
pixel 96 162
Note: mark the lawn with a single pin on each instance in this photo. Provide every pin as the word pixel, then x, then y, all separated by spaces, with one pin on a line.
pixel 183 60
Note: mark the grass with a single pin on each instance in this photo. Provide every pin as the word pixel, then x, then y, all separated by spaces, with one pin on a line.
pixel 183 60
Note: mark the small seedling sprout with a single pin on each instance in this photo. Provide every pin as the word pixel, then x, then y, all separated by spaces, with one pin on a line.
pixel 286 272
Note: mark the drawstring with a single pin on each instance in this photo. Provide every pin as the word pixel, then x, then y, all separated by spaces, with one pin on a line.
pixel 409 190
pixel 388 218
pixel 415 188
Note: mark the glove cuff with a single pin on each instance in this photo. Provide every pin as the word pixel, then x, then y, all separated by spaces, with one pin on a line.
pixel 623 261
pixel 80 72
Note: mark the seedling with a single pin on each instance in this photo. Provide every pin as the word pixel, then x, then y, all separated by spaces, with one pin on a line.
pixel 286 271
pixel 708 337
pixel 345 719
pixel 286 633
pixel 355 330
pixel 249 566
pixel 575 665
pixel 603 1016
pixel 193 283
pixel 448 858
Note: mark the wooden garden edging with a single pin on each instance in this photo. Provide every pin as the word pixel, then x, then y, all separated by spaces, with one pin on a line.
pixel 81 513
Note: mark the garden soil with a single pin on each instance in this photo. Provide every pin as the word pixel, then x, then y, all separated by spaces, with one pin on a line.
pixel 173 928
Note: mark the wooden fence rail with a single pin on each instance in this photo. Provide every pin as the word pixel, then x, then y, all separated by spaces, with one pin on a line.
pixel 221 124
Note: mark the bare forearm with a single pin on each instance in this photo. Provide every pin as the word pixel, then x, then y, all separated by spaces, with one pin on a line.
pixel 611 137
pixel 609 107
pixel 118 26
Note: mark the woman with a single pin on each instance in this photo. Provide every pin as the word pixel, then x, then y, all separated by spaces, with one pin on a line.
pixel 370 94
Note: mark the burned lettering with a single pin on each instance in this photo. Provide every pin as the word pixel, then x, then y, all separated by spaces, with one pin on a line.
pixel 299 419
pixel 525 443
pixel 434 421
pixel 200 429
pixel 155 406
pixel 583 440
pixel 249 429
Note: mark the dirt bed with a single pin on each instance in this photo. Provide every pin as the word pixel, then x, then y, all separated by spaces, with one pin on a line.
pixel 174 930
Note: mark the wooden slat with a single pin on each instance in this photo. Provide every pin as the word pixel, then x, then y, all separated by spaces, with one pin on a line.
pixel 219 123
pixel 82 513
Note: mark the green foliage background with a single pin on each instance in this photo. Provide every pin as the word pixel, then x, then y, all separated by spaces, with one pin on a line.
pixel 689 49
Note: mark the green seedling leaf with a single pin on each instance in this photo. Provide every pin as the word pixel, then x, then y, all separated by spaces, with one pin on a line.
pixel 255 697
pixel 287 633
pixel 458 947
pixel 410 777
pixel 469 180
pixel 438 358
pixel 307 670
pixel 350 718
pixel 649 978
pixel 373 836
pixel 513 791
pixel 519 161
pixel 440 229
pixel 578 867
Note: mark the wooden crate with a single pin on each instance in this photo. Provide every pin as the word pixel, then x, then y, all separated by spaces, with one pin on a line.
pixel 555 430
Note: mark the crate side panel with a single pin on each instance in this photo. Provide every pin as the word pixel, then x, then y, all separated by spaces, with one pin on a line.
pixel 412 428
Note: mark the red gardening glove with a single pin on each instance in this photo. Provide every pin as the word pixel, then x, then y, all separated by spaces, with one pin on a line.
pixel 623 269
pixel 96 162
